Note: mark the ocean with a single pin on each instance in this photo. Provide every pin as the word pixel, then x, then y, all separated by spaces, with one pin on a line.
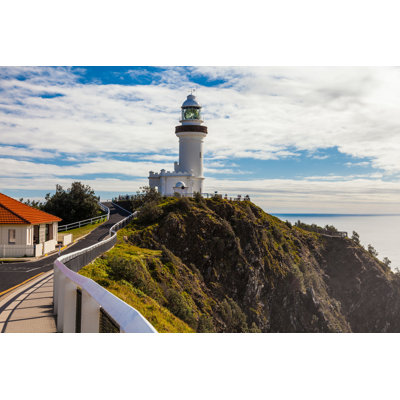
pixel 381 231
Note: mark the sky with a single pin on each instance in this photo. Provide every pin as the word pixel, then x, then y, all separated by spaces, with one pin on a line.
pixel 296 139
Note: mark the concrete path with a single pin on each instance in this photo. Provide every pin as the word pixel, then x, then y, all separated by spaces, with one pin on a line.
pixel 29 309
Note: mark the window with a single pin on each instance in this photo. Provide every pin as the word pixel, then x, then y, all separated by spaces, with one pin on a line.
pixel 200 154
pixel 11 236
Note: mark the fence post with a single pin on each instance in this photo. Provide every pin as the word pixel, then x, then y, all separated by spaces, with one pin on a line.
pixel 60 302
pixel 90 314
pixel 69 307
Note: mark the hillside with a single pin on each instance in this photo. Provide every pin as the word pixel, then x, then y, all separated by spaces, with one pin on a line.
pixel 211 265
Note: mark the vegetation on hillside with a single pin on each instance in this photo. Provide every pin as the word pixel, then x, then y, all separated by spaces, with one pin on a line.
pixel 213 265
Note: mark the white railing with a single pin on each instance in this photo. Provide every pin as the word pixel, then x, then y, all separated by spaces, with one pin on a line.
pixel 16 250
pixel 88 221
pixel 80 303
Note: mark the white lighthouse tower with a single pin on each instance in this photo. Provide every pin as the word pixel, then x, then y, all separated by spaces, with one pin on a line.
pixel 187 177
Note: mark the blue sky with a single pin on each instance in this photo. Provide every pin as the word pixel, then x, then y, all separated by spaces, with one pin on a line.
pixel 295 139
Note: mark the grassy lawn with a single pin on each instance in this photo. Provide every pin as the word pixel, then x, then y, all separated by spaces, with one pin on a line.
pixel 82 231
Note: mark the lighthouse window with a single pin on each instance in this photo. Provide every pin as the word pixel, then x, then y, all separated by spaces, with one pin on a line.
pixel 191 113
pixel 200 154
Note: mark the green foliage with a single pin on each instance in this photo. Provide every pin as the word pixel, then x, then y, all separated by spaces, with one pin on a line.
pixel 145 195
pixel 355 237
pixel 327 230
pixel 74 204
pixel 149 213
pixel 32 203
pixel 205 324
pixel 198 198
pixel 386 261
pixel 233 317
pixel 277 233
pixel 372 251
pixel 179 306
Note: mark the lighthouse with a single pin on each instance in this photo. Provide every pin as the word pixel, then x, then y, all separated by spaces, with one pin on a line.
pixel 187 177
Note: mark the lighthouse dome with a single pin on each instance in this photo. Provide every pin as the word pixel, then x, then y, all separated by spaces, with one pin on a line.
pixel 191 102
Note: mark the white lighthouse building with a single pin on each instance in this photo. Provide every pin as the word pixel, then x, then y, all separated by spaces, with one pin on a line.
pixel 187 177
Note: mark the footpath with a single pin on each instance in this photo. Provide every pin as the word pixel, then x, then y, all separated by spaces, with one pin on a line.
pixel 29 307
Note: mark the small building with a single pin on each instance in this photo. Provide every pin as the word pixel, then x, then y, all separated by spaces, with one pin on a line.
pixel 25 231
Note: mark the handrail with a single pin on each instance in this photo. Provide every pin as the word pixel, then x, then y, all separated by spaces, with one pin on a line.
pixel 94 297
pixel 85 222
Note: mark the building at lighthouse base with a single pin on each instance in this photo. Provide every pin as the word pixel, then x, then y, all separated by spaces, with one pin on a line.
pixel 168 183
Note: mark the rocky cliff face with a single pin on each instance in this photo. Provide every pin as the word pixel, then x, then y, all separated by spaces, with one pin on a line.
pixel 230 267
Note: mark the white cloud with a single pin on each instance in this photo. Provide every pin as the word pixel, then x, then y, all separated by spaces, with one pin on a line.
pixel 259 113
pixel 269 109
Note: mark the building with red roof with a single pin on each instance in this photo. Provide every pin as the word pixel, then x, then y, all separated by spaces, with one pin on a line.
pixel 24 230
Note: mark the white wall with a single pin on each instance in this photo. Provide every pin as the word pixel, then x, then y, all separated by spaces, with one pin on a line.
pixel 190 149
pixel 49 246
pixel 55 231
pixel 17 250
pixel 21 234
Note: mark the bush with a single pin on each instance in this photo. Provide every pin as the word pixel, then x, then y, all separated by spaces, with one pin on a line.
pixel 386 261
pixel 233 316
pixel 205 324
pixel 149 213
pixel 144 195
pixel 355 237
pixel 277 234
pixel 178 305
pixel 372 251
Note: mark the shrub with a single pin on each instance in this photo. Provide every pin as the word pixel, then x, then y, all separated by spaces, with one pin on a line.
pixel 183 203
pixel 149 213
pixel 386 261
pixel 372 251
pixel 178 305
pixel 355 237
pixel 233 316
pixel 277 234
pixel 205 324
pixel 144 195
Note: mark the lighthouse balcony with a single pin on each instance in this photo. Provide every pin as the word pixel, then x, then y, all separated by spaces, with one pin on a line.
pixel 191 128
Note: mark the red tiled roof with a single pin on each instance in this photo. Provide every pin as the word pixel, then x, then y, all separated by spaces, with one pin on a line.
pixel 15 212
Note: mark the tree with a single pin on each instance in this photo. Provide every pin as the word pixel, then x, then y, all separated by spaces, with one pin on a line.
pixel 386 261
pixel 32 203
pixel 372 251
pixel 146 194
pixel 74 204
pixel 355 237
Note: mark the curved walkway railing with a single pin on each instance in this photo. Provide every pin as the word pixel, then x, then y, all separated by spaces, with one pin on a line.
pixel 88 221
pixel 81 305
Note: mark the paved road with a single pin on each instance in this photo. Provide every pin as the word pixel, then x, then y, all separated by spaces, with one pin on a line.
pixel 12 274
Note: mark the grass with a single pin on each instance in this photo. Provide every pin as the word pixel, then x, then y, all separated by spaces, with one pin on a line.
pixel 160 317
pixel 84 230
